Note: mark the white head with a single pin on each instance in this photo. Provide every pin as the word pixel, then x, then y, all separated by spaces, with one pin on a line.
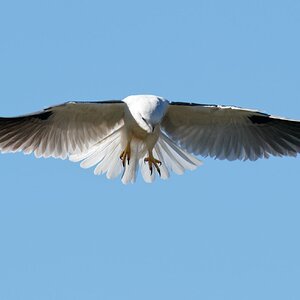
pixel 147 110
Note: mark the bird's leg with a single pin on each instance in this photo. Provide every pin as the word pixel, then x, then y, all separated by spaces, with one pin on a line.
pixel 153 162
pixel 125 155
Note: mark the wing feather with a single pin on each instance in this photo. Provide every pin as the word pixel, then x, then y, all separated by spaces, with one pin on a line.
pixel 228 132
pixel 61 130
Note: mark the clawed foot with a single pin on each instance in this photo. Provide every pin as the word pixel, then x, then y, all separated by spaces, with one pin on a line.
pixel 125 155
pixel 153 162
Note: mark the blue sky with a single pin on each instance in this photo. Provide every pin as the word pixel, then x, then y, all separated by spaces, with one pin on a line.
pixel 229 230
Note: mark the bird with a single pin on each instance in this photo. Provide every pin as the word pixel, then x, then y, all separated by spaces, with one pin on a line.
pixel 148 133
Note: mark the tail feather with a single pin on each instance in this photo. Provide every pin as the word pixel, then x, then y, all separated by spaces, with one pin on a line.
pixel 99 152
pixel 105 155
pixel 147 176
pixel 131 169
pixel 172 158
pixel 165 174
pixel 175 158
pixel 108 164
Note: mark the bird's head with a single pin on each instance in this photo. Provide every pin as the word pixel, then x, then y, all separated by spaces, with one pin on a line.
pixel 147 110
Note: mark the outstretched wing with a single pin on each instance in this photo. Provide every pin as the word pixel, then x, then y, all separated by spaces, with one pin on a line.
pixel 227 132
pixel 61 130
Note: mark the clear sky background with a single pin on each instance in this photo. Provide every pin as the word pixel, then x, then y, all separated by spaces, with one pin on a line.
pixel 229 230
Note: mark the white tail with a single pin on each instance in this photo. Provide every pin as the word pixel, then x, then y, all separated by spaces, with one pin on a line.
pixel 172 157
pixel 105 155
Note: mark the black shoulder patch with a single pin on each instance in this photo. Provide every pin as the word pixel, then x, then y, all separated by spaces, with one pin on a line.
pixel 96 102
pixel 261 119
pixel 190 104
pixel 42 116
pixel 110 102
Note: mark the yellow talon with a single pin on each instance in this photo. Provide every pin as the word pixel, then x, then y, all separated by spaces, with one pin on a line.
pixel 153 162
pixel 125 155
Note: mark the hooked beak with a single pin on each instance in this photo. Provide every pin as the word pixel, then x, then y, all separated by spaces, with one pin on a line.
pixel 150 126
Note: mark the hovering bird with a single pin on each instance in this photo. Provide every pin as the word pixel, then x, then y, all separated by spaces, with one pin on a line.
pixel 149 132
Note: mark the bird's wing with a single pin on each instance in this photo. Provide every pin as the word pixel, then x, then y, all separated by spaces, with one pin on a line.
pixel 227 132
pixel 61 130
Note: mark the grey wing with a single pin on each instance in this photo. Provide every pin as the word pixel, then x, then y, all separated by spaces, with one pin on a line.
pixel 62 130
pixel 227 132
